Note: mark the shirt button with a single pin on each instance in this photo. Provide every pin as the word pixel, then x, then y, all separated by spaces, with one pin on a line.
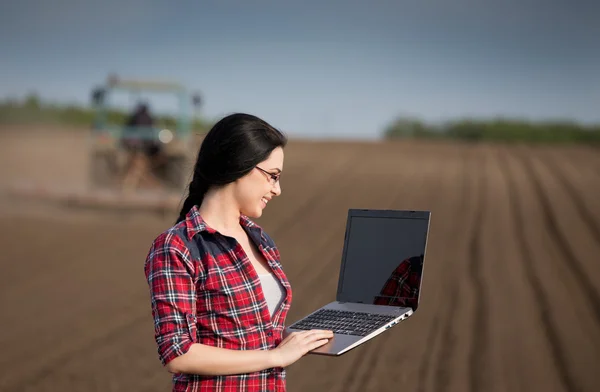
pixel 269 333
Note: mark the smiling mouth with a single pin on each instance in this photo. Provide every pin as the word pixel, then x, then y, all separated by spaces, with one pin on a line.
pixel 264 200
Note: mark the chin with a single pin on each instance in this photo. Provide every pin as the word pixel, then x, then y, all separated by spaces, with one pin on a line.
pixel 253 213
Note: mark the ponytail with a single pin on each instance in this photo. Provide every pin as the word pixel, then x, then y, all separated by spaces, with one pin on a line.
pixel 198 188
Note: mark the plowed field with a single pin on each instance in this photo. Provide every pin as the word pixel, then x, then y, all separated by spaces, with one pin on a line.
pixel 511 295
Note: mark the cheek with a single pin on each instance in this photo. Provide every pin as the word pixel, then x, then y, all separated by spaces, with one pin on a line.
pixel 249 193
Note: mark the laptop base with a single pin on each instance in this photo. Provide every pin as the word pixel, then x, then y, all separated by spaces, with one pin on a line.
pixel 342 343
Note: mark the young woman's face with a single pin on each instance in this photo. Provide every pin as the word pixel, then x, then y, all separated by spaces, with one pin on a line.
pixel 254 191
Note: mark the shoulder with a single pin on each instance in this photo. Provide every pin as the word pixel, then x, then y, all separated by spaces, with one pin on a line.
pixel 170 249
pixel 173 239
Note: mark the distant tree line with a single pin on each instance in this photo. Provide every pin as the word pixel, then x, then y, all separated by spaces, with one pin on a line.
pixel 32 110
pixel 502 130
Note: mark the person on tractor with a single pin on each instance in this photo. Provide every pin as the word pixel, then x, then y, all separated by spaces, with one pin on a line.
pixel 144 151
pixel 141 121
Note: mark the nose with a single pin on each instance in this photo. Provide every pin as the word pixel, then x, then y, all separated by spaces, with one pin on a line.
pixel 276 189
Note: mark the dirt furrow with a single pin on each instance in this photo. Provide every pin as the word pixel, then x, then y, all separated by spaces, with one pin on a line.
pixel 519 353
pixel 559 239
pixel 586 158
pixel 30 379
pixel 449 359
pixel 424 365
pixel 520 215
pixel 479 354
pixel 588 185
pixel 576 230
pixel 577 197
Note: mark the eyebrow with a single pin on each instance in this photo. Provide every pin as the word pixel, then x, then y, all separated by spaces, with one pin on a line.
pixel 278 170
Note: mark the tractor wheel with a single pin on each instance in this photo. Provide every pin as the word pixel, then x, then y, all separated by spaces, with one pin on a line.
pixel 102 169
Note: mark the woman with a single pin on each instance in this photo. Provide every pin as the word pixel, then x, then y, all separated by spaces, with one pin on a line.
pixel 219 294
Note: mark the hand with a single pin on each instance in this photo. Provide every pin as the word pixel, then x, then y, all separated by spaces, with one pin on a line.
pixel 297 344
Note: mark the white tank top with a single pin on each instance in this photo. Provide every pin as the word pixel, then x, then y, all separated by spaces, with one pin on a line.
pixel 273 290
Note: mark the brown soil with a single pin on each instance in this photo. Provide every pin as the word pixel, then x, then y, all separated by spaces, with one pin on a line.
pixel 511 297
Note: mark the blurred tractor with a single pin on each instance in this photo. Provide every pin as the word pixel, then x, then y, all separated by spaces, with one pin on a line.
pixel 128 156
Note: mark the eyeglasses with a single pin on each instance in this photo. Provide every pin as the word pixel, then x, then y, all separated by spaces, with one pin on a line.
pixel 274 177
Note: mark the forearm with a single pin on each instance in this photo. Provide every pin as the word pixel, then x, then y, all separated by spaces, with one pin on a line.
pixel 207 360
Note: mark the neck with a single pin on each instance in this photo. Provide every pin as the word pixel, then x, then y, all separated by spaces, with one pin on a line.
pixel 220 211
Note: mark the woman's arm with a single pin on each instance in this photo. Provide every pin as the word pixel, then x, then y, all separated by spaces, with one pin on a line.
pixel 212 361
pixel 208 360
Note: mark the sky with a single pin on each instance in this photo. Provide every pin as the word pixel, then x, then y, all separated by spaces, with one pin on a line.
pixel 333 69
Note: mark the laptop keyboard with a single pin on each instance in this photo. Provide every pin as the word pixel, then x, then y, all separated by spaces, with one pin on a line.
pixel 344 322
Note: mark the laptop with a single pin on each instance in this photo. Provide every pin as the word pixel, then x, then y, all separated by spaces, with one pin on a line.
pixel 380 278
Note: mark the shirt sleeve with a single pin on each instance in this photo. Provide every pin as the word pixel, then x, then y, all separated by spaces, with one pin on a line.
pixel 170 273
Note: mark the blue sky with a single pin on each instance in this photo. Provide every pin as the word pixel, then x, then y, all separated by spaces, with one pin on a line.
pixel 332 69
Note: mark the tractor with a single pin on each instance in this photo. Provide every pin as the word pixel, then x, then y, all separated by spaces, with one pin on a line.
pixel 114 165
pixel 122 176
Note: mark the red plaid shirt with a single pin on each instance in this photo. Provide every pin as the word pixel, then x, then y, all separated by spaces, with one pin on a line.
pixel 204 290
pixel 402 287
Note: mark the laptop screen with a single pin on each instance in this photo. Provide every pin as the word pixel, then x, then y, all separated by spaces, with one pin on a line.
pixel 383 260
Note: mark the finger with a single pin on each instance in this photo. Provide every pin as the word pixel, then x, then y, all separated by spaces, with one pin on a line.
pixel 315 339
pixel 321 330
pixel 310 334
pixel 318 343
pixel 320 335
pixel 320 338
pixel 324 333
pixel 298 336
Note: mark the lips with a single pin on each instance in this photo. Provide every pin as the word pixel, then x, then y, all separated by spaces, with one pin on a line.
pixel 264 200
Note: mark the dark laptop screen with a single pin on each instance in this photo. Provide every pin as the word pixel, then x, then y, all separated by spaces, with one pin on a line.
pixel 383 261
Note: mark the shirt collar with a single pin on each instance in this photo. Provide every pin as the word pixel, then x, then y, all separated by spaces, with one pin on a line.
pixel 195 224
